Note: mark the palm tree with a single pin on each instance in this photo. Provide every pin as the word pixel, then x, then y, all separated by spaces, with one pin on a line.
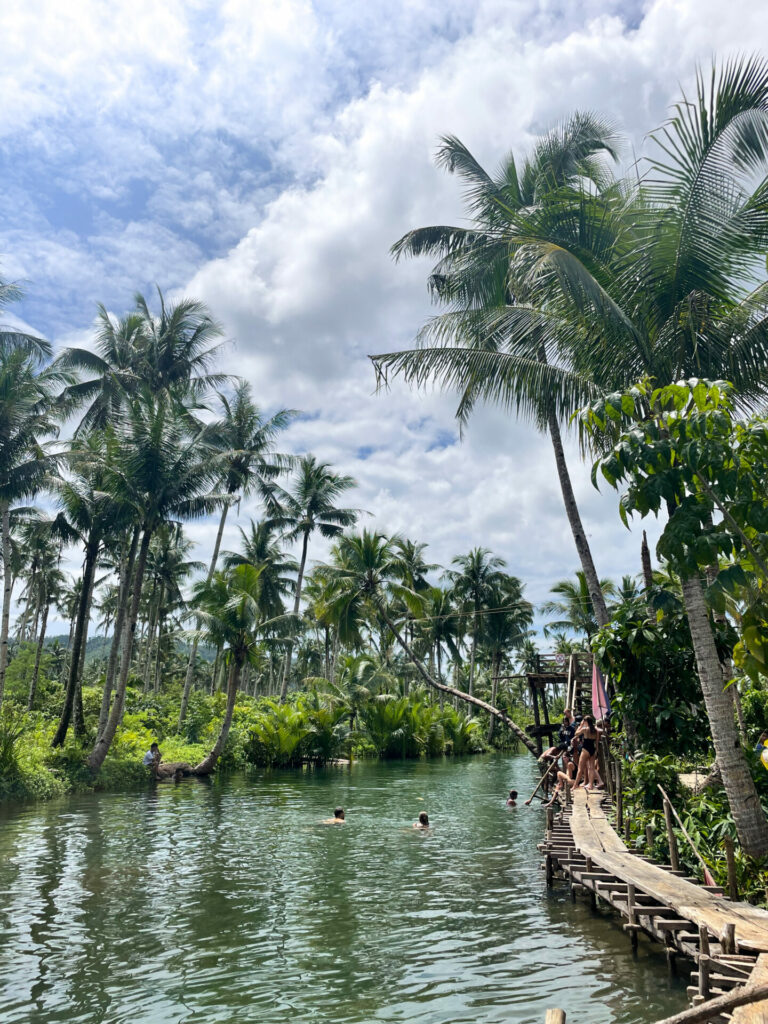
pixel 170 353
pixel 230 612
pixel 573 606
pixel 497 343
pixel 50 582
pixel 246 440
pixel 28 389
pixel 165 471
pixel 260 549
pixel 88 515
pixel 308 507
pixel 361 581
pixel 505 627
pixel 475 580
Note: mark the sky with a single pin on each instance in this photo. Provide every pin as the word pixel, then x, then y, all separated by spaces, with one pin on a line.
pixel 263 156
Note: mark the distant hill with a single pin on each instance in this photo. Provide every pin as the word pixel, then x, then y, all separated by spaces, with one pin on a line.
pixel 98 647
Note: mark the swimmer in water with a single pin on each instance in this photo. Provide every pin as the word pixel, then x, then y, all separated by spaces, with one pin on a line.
pixel 512 802
pixel 337 819
pixel 423 821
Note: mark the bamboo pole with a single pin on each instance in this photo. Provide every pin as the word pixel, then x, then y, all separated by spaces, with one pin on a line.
pixel 733 891
pixel 541 781
pixel 674 860
pixel 712 1008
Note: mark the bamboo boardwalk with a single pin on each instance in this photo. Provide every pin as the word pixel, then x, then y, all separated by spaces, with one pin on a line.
pixel 728 941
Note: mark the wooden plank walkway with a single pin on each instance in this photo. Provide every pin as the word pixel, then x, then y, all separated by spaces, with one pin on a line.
pixel 594 836
pixel 727 940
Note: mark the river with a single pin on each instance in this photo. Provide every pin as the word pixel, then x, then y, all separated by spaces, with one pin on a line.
pixel 228 903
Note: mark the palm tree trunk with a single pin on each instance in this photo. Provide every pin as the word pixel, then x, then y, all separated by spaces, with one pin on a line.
pixel 208 763
pixel 495 671
pixel 104 742
pixel 748 816
pixel 122 603
pixel 154 612
pixel 89 566
pixel 524 739
pixel 5 527
pixel 189 678
pixel 158 659
pixel 38 654
pixel 472 655
pixel 79 717
pixel 296 603
pixel 577 528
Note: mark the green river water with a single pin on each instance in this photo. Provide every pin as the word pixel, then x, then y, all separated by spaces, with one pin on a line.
pixel 228 903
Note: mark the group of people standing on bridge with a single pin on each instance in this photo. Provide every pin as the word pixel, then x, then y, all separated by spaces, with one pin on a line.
pixel 576 749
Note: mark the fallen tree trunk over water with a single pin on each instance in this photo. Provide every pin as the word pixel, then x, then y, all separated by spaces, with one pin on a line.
pixel 468 698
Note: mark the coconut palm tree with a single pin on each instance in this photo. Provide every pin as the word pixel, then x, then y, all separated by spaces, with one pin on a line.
pixel 361 583
pixel 166 471
pixel 309 506
pixel 246 439
pixel 261 549
pixel 231 618
pixel 474 581
pixel 28 389
pixel 573 606
pixel 505 627
pixel 497 343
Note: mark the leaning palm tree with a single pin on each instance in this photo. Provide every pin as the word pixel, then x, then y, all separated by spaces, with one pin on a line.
pixel 361 585
pixel 475 580
pixel 246 440
pixel 496 343
pixel 309 506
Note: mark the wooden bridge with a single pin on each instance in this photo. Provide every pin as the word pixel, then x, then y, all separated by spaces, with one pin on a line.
pixel 728 941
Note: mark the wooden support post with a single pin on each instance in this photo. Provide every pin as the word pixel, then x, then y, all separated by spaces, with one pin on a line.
pixel 626 830
pixel 674 860
pixel 619 797
pixel 703 964
pixel 550 823
pixel 549 869
pixel 728 938
pixel 555 1016
pixel 733 891
pixel 632 916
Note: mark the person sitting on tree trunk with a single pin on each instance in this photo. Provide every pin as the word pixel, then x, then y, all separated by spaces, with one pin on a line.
pixel 151 759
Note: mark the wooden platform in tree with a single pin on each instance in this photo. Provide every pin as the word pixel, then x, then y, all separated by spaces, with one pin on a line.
pixel 594 837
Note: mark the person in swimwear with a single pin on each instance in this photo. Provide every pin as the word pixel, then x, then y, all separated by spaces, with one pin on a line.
pixel 512 802
pixel 423 821
pixel 589 735
pixel 337 819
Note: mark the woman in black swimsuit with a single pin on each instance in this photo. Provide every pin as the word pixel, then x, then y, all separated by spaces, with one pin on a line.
pixel 589 735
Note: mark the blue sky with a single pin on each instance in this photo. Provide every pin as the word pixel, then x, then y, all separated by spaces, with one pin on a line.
pixel 263 155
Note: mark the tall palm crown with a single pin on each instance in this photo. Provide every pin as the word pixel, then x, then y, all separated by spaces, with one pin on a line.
pixel 310 503
pixel 171 352
pixel 261 549
pixel 573 607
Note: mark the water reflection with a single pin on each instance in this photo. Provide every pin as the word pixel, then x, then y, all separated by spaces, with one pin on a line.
pixel 222 902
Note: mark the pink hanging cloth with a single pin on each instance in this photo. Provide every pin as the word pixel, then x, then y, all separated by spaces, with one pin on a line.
pixel 601 705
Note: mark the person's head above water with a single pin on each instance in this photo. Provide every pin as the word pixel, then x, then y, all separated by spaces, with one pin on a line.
pixel 513 794
pixel 423 818
pixel 339 813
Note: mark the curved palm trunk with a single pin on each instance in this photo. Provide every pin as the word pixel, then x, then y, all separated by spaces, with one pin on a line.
pixel 38 654
pixel 208 763
pixel 296 603
pixel 748 815
pixel 577 527
pixel 189 678
pixel 122 603
pixel 458 694
pixel 89 568
pixel 5 527
pixel 104 742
